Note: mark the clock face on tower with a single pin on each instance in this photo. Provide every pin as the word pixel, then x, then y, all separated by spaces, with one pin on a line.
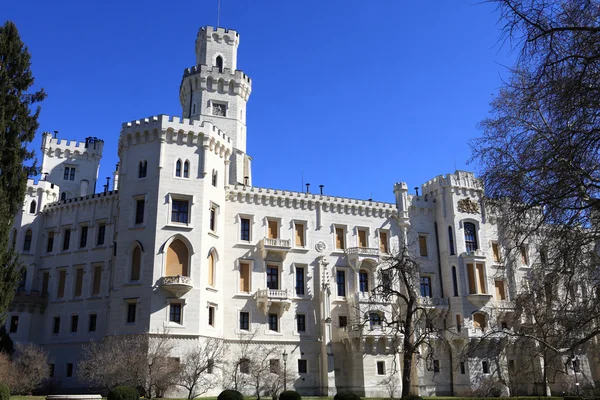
pixel 219 109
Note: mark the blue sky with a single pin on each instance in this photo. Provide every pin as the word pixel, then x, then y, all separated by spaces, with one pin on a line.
pixel 354 95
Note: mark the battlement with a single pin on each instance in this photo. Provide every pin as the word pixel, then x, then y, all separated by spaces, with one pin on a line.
pixel 209 33
pixel 33 187
pixel 81 200
pixel 212 71
pixel 193 132
pixel 58 147
pixel 459 179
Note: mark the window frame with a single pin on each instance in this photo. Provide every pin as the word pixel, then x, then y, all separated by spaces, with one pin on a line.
pixel 220 103
pixel 172 306
pixel 297 268
pixel 27 240
pixel 304 362
pixel 83 235
pixel 423 245
pixel 131 318
pixel 74 323
pixel 250 264
pixel 363 281
pixel 14 324
pixel 471 243
pixel 304 224
pixel 101 229
pixel 380 371
pixel 386 246
pixel 66 239
pixel 92 322
pixel 213 222
pixel 50 236
pixel 139 214
pixel 250 219
pixel 341 272
pixel 429 284
pixel 142 169
pixel 367 232
pixel 248 326
pixel 301 317
pixel 344 237
pixel 56 325
pixel 276 221
pixel 268 281
pixel 273 318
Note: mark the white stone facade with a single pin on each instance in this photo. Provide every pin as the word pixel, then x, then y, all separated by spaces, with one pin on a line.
pixel 185 203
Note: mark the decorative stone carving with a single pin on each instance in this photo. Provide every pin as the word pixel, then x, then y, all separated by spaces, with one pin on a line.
pixel 320 246
pixel 468 206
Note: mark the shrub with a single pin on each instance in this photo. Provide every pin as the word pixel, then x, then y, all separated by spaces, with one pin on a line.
pixel 123 393
pixel 346 396
pixel 230 395
pixel 290 395
pixel 4 392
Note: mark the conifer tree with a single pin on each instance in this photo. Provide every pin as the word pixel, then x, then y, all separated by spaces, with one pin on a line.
pixel 18 124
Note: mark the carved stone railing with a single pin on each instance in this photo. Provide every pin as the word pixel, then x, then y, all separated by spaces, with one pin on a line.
pixel 177 285
pixel 265 298
pixel 30 301
pixel 433 302
pixel 278 246
pixel 356 255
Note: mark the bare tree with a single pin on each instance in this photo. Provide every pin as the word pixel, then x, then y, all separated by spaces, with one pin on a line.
pixel 5 368
pixel 237 371
pixel 197 368
pixel 163 370
pixel 29 368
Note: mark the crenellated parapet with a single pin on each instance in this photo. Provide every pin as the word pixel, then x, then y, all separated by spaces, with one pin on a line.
pixel 463 182
pixel 219 35
pixel 204 77
pixel 50 189
pixel 80 202
pixel 175 130
pixel 302 200
pixel 55 147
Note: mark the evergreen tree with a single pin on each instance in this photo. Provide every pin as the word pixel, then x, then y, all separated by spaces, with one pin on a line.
pixel 17 129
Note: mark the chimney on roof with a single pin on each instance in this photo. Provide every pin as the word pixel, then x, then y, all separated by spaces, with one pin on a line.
pixel 321 188
pixel 308 188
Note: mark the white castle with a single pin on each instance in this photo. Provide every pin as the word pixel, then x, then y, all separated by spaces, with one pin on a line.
pixel 184 241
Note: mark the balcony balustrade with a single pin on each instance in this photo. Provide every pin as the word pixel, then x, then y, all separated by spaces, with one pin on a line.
pixel 29 301
pixel 278 247
pixel 266 298
pixel 356 255
pixel 176 285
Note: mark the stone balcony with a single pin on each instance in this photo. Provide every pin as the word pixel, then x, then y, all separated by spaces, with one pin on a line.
pixel 267 298
pixel 176 285
pixel 356 255
pixel 479 299
pixel 433 303
pixel 274 248
pixel 29 301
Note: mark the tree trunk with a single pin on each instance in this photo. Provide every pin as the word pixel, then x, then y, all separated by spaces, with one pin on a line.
pixel 406 373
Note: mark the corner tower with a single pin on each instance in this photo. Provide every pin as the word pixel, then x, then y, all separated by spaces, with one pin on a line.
pixel 215 91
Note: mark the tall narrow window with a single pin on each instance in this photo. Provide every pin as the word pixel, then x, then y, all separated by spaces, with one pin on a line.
pixel 211 316
pixel 301 322
pixel 178 168
pixel 211 269
pixel 272 277
pixel 495 252
pixel 175 313
pixel 340 279
pixel 380 367
pixel 63 196
pixel 27 242
pixel 454 281
pixel 74 323
pixel 62 276
pixel 214 178
pixel 139 211
pixel 363 279
pixel 245 229
pixel 302 367
pixel 524 255
pixel 136 262
pixel 50 243
pixel 500 291
pixel 45 282
pixel 481 278
pixel 83 236
pixel 97 280
pixel 299 230
pixel 56 325
pixel 426 286
pixel 101 234
pixel 383 241
pixel 458 323
pixel 451 240
pixel 244 320
pixel 131 311
pixel 14 324
pixel 213 219
pixel 32 207
pixel 273 229
pixel 186 169
pixel 485 366
pixel 219 64
pixel 66 239
pixel 423 245
pixel 142 169
pixel 299 281
pixel 92 323
pixel 273 322
pixel 340 243
pixel 72 175
pixel 470 236
pixel 471 277
pixel 362 238
pixel 78 282
pixel 245 277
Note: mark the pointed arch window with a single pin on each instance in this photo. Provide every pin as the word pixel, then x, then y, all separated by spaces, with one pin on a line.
pixel 143 169
pixel 451 240
pixel 27 242
pixel 219 63
pixel 211 268
pixel 178 168
pixel 32 207
pixel 186 169
pixel 63 196
pixel 470 236
pixel 177 259
pixel 136 263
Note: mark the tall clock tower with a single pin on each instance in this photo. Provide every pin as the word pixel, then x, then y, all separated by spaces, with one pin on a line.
pixel 215 91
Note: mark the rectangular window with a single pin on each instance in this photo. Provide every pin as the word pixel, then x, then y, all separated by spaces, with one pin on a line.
pixel 180 211
pixel 273 323
pixel 69 370
pixel 14 324
pixel 343 321
pixel 503 325
pixel 273 229
pixel 426 286
pixel 301 322
pixel 56 325
pixel 50 243
pixel 299 230
pixel 69 174
pixel 131 310
pixel 485 366
pixel 74 323
pixel 458 323
pixel 436 365
pixel 363 281
pixel 97 280
pixel 463 370
pixel 175 313
pixel 210 365
pixel 244 320
pixel 211 316
pixel 500 291
pixel 244 366
pixel 423 245
pixel 340 242
pixel 72 174
pixel 362 238
pixel 139 211
pixel 66 239
pixel 45 282
pixel 245 277
pixel 383 242
pixel 299 281
pixel 481 277
pixel 380 367
pixel 302 366
pixel 272 277
pixel 524 255
pixel 78 282
pixel 101 233
pixel 83 236
pixel 51 372
pixel 92 323
pixel 274 366
pixel 245 229
pixel 495 252
pixel 62 277
pixel 340 278
pixel 471 277
pixel 213 219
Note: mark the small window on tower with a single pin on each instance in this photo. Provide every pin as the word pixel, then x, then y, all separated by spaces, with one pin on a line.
pixel 219 109
pixel 219 63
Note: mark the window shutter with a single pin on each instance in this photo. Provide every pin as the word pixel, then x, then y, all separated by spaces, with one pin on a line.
pixel 481 279
pixel 496 252
pixel 471 273
pixel 97 279
pixel 423 246
pixel 78 282
pixel 339 238
pixel 244 277
pixel 362 238
pixel 273 234
pixel 299 234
